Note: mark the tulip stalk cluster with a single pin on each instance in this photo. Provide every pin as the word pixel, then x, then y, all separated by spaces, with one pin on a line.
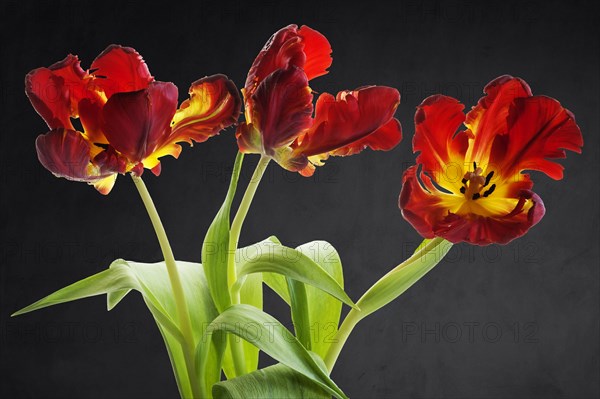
pixel 210 312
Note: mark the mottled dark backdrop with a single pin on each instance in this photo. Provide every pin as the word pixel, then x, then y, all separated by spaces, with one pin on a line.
pixel 514 321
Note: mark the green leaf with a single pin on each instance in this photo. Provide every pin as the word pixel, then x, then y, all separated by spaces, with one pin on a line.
pixel 215 246
pixel 251 294
pixel 277 282
pixel 269 257
pixel 152 281
pixel 422 244
pixel 300 313
pixel 323 310
pixel 270 336
pixel 278 381
pixel 315 313
pixel 402 277
pixel 116 279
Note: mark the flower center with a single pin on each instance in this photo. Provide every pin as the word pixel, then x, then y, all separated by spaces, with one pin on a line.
pixel 474 182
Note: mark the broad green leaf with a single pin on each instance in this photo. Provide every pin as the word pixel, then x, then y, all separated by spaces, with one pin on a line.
pixel 278 381
pixel 323 310
pixel 152 281
pixel 402 277
pixel 216 242
pixel 270 336
pixel 270 257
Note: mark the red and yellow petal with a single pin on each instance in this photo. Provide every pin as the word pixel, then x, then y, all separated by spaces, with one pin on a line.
pixel 341 122
pixel 66 154
pixel 120 69
pixel 136 123
pixel 304 48
pixel 539 129
pixel 55 92
pixel 436 122
pixel 90 116
pixel 282 109
pixel 496 219
pixel 249 139
pixel 214 105
pixel 104 186
pixel 422 208
pixel 488 119
pixel 484 230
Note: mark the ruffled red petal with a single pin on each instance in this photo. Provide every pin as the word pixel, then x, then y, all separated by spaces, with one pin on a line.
pixel 304 48
pixel 317 51
pixel 436 121
pixel 483 230
pixel 282 109
pixel 136 123
pixel 65 153
pixel 421 208
pixel 425 211
pixel 120 69
pixel 384 138
pixel 55 92
pixel 348 118
pixel 539 129
pixel 488 118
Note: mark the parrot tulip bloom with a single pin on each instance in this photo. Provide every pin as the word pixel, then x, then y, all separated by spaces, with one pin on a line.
pixel 279 107
pixel 471 187
pixel 128 119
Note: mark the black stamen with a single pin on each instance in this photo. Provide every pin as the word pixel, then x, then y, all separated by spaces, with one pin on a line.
pixel 488 178
pixel 474 165
pixel 462 190
pixel 476 195
pixel 464 181
pixel 490 190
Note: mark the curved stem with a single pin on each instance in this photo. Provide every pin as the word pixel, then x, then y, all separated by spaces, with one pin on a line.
pixel 384 288
pixel 235 343
pixel 183 314
pixel 240 216
pixel 350 321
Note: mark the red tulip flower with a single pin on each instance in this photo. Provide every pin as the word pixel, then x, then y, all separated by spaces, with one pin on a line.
pixel 279 107
pixel 128 120
pixel 471 187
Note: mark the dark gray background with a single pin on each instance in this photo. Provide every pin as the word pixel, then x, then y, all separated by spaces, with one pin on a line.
pixel 514 321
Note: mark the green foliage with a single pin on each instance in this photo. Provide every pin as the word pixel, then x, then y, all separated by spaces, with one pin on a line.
pixel 278 381
pixel 270 336
pixel 152 282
